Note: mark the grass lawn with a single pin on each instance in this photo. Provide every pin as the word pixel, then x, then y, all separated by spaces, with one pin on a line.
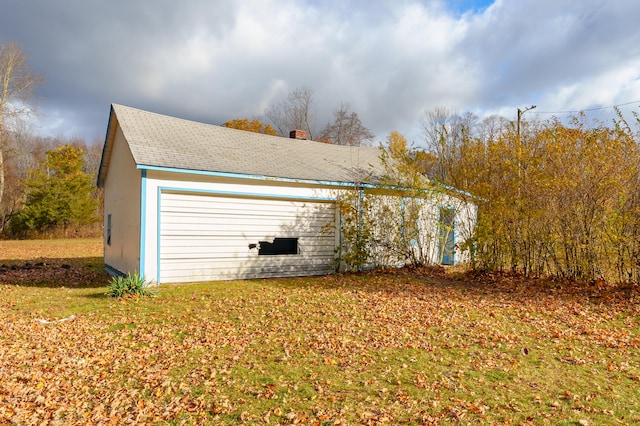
pixel 395 348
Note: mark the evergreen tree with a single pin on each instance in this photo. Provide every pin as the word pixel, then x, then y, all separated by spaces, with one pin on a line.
pixel 59 194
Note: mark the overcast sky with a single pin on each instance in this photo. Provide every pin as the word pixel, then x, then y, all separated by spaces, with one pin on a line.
pixel 214 60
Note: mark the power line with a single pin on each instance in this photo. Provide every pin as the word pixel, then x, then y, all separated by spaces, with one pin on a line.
pixel 585 110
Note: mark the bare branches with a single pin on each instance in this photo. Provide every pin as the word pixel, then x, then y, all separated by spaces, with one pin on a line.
pixel 346 129
pixel 297 112
pixel 17 84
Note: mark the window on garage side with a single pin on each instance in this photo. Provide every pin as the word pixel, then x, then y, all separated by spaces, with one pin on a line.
pixel 279 246
pixel 109 229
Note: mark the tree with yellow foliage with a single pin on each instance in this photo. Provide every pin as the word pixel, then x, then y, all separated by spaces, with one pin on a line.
pixel 254 126
pixel 559 199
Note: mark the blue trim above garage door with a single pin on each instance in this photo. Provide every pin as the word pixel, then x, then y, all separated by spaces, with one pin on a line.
pixel 255 177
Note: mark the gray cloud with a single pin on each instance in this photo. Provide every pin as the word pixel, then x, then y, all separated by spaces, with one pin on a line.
pixel 213 61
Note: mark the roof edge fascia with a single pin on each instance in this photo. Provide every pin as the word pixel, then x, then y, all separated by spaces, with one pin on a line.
pixel 359 185
pixel 257 177
pixel 106 149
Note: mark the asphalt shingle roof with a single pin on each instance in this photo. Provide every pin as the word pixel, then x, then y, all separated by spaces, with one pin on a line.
pixel 169 142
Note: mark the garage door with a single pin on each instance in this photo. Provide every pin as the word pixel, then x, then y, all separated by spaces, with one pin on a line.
pixel 213 237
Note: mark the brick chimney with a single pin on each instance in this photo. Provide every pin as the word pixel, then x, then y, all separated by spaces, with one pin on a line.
pixel 298 134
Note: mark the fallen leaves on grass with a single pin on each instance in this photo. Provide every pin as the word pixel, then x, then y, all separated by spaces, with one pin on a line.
pixel 53 273
pixel 53 263
pixel 368 349
pixel 28 250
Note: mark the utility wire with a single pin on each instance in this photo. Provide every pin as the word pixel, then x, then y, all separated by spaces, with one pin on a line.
pixel 583 110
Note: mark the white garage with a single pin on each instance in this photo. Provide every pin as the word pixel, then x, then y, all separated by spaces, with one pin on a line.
pixel 214 237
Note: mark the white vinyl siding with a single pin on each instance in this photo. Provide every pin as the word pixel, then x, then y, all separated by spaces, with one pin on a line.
pixel 208 237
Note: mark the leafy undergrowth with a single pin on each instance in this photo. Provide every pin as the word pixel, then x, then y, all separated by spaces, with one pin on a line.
pixel 395 348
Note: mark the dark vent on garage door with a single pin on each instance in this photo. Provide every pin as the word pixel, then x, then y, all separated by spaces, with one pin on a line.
pixel 278 246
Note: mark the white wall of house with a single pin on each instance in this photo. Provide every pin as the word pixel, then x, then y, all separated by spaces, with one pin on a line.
pixel 122 210
pixel 391 217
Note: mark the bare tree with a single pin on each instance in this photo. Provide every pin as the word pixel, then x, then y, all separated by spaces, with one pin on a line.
pixel 444 130
pixel 92 157
pixel 346 129
pixel 492 127
pixel 17 84
pixel 297 112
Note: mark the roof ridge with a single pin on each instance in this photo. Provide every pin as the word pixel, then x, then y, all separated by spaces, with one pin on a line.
pixel 239 130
